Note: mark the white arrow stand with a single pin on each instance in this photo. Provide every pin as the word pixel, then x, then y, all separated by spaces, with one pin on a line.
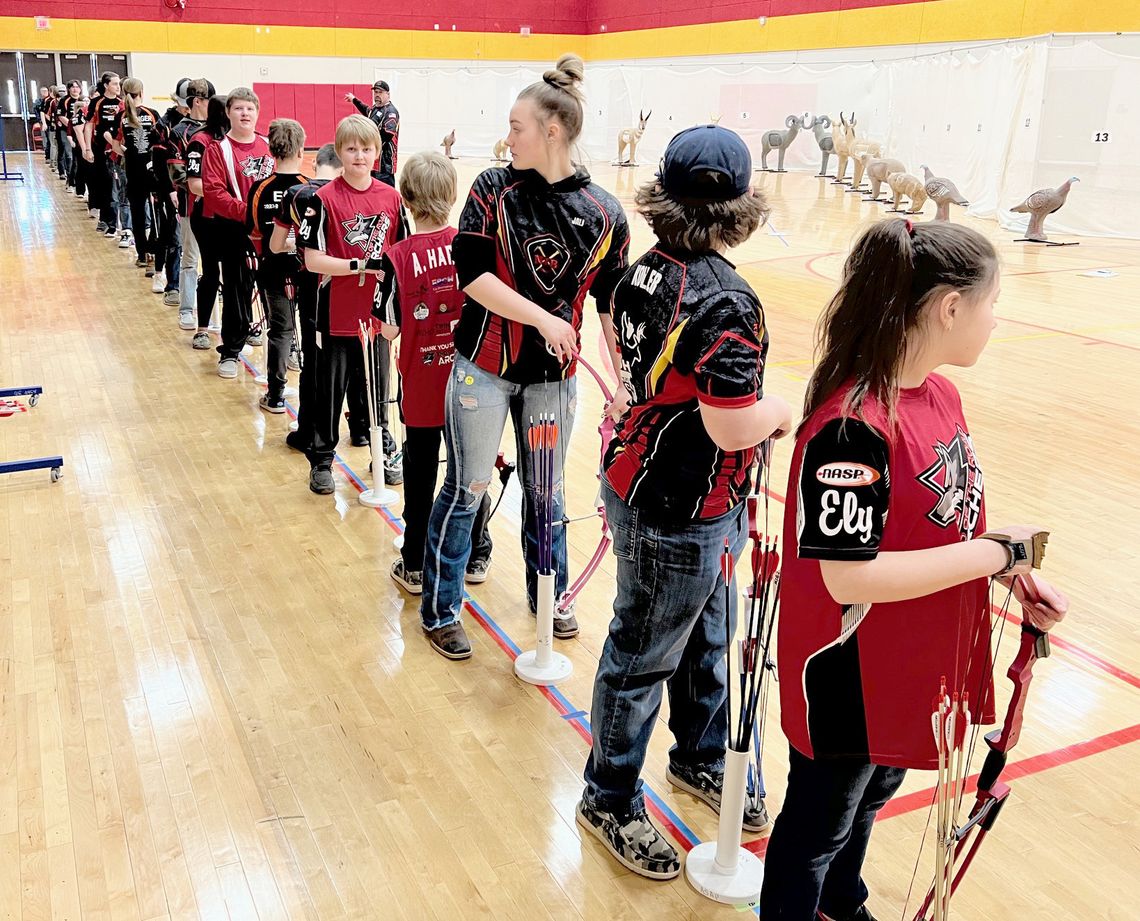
pixel 379 494
pixel 542 665
pixel 722 870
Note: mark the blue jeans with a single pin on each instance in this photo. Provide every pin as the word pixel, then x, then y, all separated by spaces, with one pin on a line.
pixel 475 411
pixel 668 626
pixel 815 855
pixel 119 206
pixel 188 272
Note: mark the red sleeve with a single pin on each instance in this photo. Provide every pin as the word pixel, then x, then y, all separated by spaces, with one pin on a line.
pixel 220 200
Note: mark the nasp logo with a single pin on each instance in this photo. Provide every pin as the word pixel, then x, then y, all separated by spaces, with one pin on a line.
pixel 847 473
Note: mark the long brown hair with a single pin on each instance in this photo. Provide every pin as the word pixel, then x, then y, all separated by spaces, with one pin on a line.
pixel 132 85
pixel 894 270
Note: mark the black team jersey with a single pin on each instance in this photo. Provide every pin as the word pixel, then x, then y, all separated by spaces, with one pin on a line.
pixel 265 202
pixel 691 331
pixel 76 113
pixel 102 113
pixel 552 244
pixel 387 119
pixel 136 142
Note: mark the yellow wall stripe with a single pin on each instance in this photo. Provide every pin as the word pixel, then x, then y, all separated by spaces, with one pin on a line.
pixel 902 24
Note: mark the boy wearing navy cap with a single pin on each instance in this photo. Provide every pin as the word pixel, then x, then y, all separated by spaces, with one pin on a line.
pixel 691 347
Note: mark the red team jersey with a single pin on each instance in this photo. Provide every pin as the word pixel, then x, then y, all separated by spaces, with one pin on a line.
pixel 859 680
pixel 251 162
pixel 349 223
pixel 420 294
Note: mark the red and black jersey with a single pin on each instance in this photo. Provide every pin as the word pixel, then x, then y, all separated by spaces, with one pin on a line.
pixel 420 294
pixel 387 119
pixel 349 223
pixel 266 201
pixel 691 331
pixel 858 680
pixel 102 113
pixel 229 170
pixel 75 112
pixel 184 160
pixel 551 243
pixel 136 141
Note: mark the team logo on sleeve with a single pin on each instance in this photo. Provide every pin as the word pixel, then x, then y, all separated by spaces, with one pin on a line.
pixel 956 480
pixel 846 473
pixel 256 167
pixel 549 259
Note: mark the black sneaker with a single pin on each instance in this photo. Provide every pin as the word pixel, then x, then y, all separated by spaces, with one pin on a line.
pixel 476 571
pixel 860 914
pixel 450 642
pixel 274 405
pixel 296 441
pixel 634 842
pixel 706 785
pixel 321 481
pixel 360 439
pixel 411 581
pixel 393 469
pixel 101 227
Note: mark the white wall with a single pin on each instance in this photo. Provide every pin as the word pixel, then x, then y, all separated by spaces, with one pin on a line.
pixel 1000 119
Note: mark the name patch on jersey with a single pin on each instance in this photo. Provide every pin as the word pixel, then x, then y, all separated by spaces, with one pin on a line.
pixel 646 279
pixel 845 473
pixel 842 512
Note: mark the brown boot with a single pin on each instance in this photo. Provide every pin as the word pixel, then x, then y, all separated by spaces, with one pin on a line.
pixel 451 641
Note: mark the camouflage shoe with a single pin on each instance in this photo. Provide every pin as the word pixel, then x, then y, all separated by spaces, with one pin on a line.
pixel 635 843
pixel 706 785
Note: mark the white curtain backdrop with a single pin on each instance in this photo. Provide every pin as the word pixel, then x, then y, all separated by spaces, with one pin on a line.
pixel 1002 119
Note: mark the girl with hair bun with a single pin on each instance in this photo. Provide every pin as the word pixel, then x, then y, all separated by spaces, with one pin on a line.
pixel 534 239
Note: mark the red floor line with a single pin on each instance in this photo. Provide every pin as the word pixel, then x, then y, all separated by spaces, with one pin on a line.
pixel 921 799
pixel 1091 268
pixel 1064 332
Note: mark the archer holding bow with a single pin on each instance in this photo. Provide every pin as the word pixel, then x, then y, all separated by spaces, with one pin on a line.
pixel 886 557
pixel 692 345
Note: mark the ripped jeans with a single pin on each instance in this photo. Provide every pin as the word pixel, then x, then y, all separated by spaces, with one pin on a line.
pixel 475 411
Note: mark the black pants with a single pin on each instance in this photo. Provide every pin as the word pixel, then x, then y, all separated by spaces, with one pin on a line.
pixel 46 140
pixel 237 285
pixel 165 236
pixel 815 855
pixel 306 293
pixel 210 275
pixel 79 173
pixel 138 197
pixel 63 154
pixel 421 473
pixel 279 312
pixel 340 373
pixel 99 189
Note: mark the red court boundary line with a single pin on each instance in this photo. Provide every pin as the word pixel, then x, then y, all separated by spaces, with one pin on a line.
pixel 1088 340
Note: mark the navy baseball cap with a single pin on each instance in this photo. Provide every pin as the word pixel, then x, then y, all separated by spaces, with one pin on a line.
pixel 706 162
pixel 380 85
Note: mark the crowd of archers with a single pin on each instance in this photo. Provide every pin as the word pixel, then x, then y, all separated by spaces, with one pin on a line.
pixel 887 560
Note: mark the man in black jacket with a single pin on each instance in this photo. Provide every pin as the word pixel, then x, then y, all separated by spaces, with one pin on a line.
pixel 387 118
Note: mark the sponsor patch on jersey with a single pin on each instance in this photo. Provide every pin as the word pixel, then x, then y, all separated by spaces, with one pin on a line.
pixel 256 167
pixel 549 260
pixel 847 473
pixel 421 312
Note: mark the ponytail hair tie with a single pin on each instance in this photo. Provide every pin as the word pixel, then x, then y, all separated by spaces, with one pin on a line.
pixel 909 227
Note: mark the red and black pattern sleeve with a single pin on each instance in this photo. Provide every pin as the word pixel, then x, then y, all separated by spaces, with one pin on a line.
pixel 723 345
pixel 843 492
pixel 311 228
pixel 473 250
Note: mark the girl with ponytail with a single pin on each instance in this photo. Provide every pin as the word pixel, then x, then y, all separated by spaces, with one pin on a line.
pixel 886 559
pixel 534 239
pixel 132 138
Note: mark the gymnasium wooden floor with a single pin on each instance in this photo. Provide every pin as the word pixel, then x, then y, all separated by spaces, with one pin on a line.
pixel 215 703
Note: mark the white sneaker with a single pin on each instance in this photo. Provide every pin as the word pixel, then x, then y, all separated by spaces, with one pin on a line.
pixel 159 283
pixel 187 320
pixel 124 239
pixel 228 368
pixel 173 299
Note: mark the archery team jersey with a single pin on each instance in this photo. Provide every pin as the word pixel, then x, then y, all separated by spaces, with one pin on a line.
pixel 76 113
pixel 349 223
pixel 229 170
pixel 266 200
pixel 550 243
pixel 387 120
pixel 859 680
pixel 690 331
pixel 136 142
pixel 102 113
pixel 420 294
pixel 185 162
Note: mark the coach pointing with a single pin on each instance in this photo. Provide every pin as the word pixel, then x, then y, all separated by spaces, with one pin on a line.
pixel 387 119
